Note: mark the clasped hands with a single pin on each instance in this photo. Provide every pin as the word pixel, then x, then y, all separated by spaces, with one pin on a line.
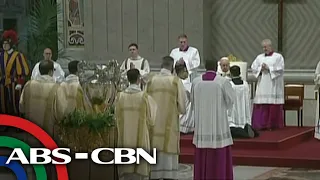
pixel 18 87
pixel 132 66
pixel 264 67
pixel 180 61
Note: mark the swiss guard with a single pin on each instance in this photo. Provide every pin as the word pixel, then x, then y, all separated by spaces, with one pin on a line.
pixel 13 72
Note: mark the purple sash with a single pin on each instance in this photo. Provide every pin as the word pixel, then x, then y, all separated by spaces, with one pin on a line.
pixel 209 76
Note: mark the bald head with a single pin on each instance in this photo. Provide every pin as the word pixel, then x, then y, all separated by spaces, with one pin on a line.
pixel 224 64
pixel 47 54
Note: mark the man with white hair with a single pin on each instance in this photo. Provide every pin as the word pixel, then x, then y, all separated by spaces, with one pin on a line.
pixel 187 55
pixel 268 68
pixel 224 67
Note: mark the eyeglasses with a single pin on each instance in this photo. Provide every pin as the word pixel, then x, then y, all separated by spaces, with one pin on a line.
pixel 132 49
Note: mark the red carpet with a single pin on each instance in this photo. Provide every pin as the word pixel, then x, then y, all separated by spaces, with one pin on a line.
pixel 289 147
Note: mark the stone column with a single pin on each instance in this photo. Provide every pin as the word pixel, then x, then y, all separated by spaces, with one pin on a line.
pixel 71 35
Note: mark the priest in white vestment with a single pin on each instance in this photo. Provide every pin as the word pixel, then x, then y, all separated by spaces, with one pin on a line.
pixel 70 95
pixel 268 68
pixel 188 55
pixel 135 61
pixel 58 74
pixel 37 99
pixel 212 95
pixel 135 113
pixel 186 120
pixel 224 67
pixel 240 114
pixel 317 83
pixel 168 92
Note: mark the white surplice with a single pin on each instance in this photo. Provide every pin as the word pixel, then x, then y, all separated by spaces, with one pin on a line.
pixel 187 120
pixel 211 101
pixel 58 74
pixel 270 86
pixel 138 65
pixel 192 59
pixel 240 114
pixel 317 120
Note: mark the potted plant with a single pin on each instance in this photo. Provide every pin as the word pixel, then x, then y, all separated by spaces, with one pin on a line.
pixel 42 31
pixel 84 131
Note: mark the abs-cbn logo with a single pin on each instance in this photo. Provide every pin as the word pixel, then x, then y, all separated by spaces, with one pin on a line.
pixel 47 156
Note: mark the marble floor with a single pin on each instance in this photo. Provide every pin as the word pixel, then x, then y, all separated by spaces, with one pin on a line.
pixel 241 173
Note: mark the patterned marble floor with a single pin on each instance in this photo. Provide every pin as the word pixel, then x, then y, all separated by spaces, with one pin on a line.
pixel 241 173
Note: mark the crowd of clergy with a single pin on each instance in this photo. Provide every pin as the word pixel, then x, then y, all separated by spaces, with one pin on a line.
pixel 155 109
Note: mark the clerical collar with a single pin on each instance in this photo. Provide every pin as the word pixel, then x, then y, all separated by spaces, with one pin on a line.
pixel 165 71
pixel 184 50
pixel 133 88
pixel 45 78
pixel 268 54
pixel 236 77
pixel 137 58
pixel 72 77
pixel 10 51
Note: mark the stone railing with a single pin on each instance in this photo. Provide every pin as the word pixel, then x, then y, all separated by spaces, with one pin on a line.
pixel 305 76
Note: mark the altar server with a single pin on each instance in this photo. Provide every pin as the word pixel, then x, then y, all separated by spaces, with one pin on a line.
pixel 70 95
pixel 212 96
pixel 269 98
pixel 188 55
pixel 58 73
pixel 224 67
pixel 317 83
pixel 135 61
pixel 38 96
pixel 168 92
pixel 186 120
pixel 240 114
pixel 135 113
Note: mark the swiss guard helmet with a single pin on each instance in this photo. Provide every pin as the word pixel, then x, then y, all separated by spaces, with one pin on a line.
pixel 9 37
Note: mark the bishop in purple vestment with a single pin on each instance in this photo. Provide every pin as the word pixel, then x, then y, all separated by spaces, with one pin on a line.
pixel 212 96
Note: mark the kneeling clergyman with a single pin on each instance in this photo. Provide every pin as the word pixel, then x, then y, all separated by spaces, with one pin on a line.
pixel 135 113
pixel 186 120
pixel 240 114
pixel 212 96
pixel 38 96
pixel 70 95
pixel 317 89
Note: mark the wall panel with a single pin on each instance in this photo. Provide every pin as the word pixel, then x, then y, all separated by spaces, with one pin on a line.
pixel 301 32
pixel 153 24
pixel 237 27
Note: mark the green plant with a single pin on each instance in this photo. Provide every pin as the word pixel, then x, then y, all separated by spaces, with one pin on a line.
pixel 95 122
pixel 42 30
